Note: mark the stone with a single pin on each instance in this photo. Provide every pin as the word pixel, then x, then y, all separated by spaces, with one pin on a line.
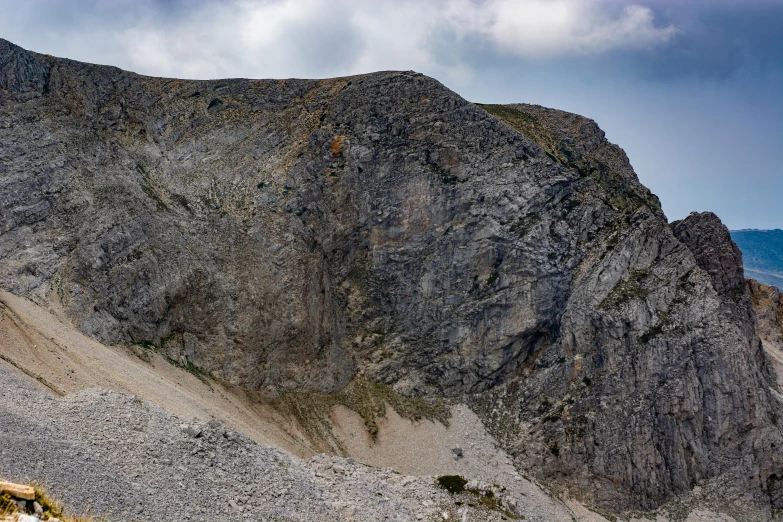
pixel 192 430
pixel 513 506
pixel 18 490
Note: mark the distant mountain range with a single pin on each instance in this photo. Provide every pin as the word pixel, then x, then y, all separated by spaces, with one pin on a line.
pixel 762 254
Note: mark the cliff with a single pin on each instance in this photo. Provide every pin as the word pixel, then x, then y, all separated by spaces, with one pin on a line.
pixel 293 234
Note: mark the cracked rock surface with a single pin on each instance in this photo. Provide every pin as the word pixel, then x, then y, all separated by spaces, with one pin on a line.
pixel 291 234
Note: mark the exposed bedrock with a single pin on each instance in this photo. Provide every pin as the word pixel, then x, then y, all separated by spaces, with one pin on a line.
pixel 291 234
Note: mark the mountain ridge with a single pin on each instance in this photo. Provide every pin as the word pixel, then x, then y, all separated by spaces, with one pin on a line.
pixel 294 234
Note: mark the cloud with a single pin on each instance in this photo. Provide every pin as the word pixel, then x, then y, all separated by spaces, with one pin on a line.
pixel 260 39
pixel 283 38
pixel 551 28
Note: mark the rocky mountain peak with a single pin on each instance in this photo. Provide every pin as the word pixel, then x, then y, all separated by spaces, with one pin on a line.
pixel 293 234
pixel 710 241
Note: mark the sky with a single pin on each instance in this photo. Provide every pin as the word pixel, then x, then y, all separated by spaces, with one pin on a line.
pixel 691 89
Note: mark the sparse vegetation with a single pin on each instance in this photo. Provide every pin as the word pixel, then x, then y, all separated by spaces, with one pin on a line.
pixel 493 277
pixel 626 290
pixel 188 366
pixel 57 285
pixel 528 125
pixel 312 409
pixel 619 193
pixel 651 334
pixel 51 508
pixel 454 484
pixel 525 224
pixel 192 369
pixel 149 188
pixel 457 485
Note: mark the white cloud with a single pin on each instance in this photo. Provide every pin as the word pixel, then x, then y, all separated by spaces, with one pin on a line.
pixel 316 38
pixel 547 28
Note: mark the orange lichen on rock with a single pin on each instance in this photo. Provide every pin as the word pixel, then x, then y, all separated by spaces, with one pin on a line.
pixel 337 145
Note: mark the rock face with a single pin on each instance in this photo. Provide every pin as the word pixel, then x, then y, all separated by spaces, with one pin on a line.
pixel 768 304
pixel 295 233
pixel 657 381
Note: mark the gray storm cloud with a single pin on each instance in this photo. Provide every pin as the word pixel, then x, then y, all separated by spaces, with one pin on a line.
pixel 319 37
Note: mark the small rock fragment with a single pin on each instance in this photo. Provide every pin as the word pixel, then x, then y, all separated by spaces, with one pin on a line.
pixel 18 490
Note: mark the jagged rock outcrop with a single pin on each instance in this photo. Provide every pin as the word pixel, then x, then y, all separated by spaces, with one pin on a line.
pixel 768 304
pixel 295 233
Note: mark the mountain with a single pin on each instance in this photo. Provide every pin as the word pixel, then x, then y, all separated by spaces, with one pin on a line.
pixel 322 239
pixel 762 253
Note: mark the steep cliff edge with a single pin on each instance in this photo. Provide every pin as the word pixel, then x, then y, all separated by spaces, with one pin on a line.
pixel 768 305
pixel 292 234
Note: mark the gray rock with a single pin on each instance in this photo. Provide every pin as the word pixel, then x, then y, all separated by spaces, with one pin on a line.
pixel 88 470
pixel 192 430
pixel 291 234
pixel 768 305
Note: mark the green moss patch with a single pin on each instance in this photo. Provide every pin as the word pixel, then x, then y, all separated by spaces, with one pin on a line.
pixel 457 485
pixel 454 484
